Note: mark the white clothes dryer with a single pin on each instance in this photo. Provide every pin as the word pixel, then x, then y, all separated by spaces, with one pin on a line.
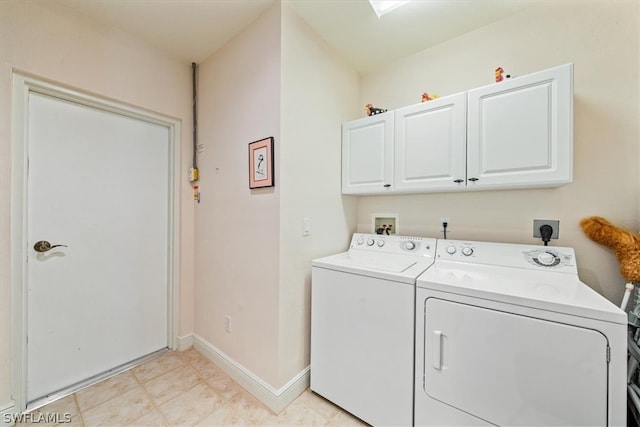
pixel 508 335
pixel 362 326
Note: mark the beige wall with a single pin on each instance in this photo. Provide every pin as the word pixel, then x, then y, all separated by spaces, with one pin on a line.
pixel 255 87
pixel 55 44
pixel 237 229
pixel 601 39
pixel 319 92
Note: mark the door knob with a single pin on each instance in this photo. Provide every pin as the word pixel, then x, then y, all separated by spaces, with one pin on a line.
pixel 44 246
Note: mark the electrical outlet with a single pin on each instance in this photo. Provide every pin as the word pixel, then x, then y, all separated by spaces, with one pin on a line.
pixel 554 223
pixel 227 323
pixel 444 219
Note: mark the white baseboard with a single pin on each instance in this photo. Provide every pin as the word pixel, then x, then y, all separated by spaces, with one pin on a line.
pixel 184 342
pixel 6 414
pixel 276 400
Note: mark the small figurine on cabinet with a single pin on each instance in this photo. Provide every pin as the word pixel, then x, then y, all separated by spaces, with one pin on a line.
pixel 499 75
pixel 372 111
pixel 429 97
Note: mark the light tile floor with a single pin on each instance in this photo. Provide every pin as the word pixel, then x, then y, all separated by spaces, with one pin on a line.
pixel 184 389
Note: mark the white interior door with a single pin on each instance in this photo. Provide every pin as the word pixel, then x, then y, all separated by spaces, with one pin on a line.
pixel 98 182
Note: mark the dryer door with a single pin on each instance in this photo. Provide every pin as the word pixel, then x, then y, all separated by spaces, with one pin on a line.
pixel 510 369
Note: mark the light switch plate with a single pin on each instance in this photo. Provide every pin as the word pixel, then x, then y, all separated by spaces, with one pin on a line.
pixel 306 226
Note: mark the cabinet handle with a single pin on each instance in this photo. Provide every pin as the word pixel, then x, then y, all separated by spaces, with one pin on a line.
pixel 458 181
pixel 473 179
pixel 387 185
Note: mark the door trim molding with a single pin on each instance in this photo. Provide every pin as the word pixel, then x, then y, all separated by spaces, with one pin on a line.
pixel 22 86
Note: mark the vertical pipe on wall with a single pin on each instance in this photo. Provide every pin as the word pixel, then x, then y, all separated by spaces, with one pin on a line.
pixel 193 172
pixel 194 68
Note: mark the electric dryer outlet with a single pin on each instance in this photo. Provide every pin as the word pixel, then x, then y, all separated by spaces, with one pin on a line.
pixel 554 223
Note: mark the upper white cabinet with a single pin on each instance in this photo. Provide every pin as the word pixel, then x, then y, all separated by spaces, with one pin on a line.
pixel 367 155
pixel 429 145
pixel 520 131
pixel 513 134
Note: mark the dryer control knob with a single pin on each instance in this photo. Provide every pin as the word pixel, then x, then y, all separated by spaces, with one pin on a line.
pixel 410 246
pixel 360 240
pixel 467 251
pixel 451 250
pixel 546 258
pixel 380 243
pixel 370 242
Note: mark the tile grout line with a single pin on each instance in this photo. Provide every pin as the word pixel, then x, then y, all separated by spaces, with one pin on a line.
pixel 227 400
pixel 75 401
pixel 153 402
pixel 201 380
pixel 204 379
pixel 182 392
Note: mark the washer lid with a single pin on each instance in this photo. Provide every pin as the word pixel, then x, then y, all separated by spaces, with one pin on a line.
pixel 400 268
pixel 545 290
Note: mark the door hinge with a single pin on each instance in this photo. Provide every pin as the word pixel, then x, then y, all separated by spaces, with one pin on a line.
pixel 608 353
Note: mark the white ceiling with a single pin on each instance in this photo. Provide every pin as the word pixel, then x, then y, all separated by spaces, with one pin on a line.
pixel 192 30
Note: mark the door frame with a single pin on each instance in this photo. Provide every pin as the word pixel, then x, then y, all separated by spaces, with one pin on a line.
pixel 22 86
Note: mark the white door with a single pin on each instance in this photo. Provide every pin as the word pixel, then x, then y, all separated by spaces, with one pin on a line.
pixel 367 155
pixel 520 131
pixel 513 370
pixel 430 145
pixel 98 182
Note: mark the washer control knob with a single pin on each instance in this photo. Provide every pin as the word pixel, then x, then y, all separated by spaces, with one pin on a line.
pixel 409 246
pixel 467 251
pixel 370 242
pixel 380 243
pixel 451 250
pixel 360 240
pixel 546 258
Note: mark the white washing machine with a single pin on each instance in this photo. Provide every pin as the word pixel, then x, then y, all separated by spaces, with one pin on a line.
pixel 507 335
pixel 362 326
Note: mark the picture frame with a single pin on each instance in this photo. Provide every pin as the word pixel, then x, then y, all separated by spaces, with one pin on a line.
pixel 385 223
pixel 261 163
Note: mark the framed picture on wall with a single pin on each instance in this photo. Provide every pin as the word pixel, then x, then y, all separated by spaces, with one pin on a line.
pixel 261 163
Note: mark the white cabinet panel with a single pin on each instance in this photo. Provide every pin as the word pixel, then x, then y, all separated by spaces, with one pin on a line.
pixel 520 131
pixel 429 145
pixel 512 134
pixel 367 156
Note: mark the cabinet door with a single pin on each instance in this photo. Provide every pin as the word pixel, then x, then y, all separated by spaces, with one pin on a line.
pixel 513 370
pixel 429 152
pixel 520 131
pixel 367 155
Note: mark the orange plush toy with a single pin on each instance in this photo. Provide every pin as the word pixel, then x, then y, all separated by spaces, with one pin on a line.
pixel 624 243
